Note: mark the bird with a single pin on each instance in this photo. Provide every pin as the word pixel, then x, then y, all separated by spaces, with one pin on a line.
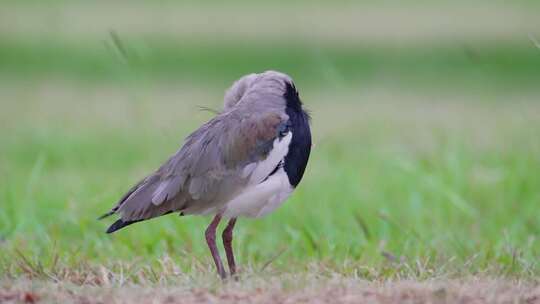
pixel 244 162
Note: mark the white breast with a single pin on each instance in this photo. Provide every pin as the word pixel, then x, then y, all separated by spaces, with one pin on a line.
pixel 257 172
pixel 263 193
pixel 261 199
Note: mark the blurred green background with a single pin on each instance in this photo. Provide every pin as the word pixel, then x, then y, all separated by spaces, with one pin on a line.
pixel 426 122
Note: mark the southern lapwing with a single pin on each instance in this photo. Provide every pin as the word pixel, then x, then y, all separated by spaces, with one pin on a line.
pixel 245 161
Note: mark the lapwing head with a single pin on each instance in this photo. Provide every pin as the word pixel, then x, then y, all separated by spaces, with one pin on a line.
pixel 278 90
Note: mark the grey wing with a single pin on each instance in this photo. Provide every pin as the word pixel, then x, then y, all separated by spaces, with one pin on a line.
pixel 206 171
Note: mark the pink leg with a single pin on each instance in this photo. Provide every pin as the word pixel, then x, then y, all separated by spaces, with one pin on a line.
pixel 227 243
pixel 210 234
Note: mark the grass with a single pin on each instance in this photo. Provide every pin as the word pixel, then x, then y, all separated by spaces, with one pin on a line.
pixel 436 193
pixel 283 289
pixel 469 67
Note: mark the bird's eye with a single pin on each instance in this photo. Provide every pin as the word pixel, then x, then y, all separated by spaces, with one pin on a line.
pixel 284 129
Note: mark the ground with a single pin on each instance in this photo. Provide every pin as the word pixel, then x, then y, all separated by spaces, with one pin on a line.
pixel 274 289
pixel 422 186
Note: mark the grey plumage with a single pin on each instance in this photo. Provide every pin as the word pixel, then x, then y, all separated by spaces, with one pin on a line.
pixel 246 161
pixel 210 168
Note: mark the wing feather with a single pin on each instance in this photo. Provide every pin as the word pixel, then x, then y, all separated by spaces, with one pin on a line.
pixel 206 170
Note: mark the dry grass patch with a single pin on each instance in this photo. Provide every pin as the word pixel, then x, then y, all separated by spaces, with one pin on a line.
pixel 280 289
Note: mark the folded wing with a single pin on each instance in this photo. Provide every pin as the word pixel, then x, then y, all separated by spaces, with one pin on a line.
pixel 208 170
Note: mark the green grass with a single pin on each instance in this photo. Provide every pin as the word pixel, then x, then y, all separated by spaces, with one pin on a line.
pixel 485 67
pixel 383 182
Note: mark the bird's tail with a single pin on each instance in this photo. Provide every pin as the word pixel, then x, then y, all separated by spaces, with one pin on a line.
pixel 106 214
pixel 119 224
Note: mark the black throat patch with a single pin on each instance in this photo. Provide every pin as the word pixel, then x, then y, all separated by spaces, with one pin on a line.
pixel 300 147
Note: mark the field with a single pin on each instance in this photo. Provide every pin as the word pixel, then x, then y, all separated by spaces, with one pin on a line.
pixel 424 180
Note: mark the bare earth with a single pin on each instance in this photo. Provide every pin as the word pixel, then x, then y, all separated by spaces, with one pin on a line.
pixel 279 290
